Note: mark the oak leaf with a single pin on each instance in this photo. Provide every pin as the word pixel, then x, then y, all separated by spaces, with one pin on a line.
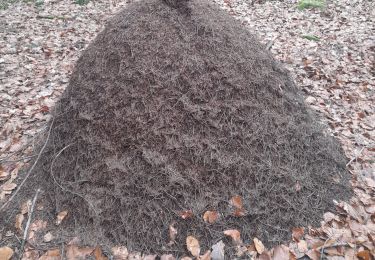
pixel 192 245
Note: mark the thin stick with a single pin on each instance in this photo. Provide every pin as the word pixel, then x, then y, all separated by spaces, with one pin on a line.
pixel 28 224
pixel 31 169
pixel 355 157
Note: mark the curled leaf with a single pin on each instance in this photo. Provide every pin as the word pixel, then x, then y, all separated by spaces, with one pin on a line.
pixel 297 233
pixel 61 216
pixel 234 234
pixel 210 216
pixel 186 214
pixel 192 245
pixel 258 245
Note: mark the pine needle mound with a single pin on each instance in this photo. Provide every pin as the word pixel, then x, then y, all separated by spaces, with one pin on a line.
pixel 176 106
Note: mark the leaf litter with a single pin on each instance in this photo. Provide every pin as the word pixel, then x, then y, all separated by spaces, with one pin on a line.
pixel 335 73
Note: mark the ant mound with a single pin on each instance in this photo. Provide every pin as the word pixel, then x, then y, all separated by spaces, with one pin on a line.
pixel 176 107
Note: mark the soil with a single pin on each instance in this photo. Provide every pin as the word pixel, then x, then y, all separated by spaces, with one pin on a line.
pixel 176 106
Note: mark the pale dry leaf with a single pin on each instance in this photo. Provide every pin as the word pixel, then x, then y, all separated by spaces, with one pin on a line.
pixel 6 253
pixel 218 251
pixel 192 245
pixel 48 237
pixel 53 254
pixel 150 257
pixel 236 201
pixel 6 189
pixel 210 216
pixel 264 256
pixel 19 220
pixel 167 257
pixel 74 252
pixel 313 254
pixel 297 233
pixel 120 252
pixel 98 254
pixel 258 245
pixel 26 207
pixel 234 234
pixel 329 216
pixel 3 174
pixel 172 234
pixel 334 251
pixel 61 216
pixel 206 256
pixel 186 258
pixel 186 214
pixel 135 256
pixel 302 246
pixel 280 252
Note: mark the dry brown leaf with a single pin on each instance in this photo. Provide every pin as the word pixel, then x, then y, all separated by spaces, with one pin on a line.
pixel 74 252
pixel 234 234
pixel 280 252
pixel 6 253
pixel 206 256
pixel 6 189
pixel 192 245
pixel 48 237
pixel 264 256
pixel 297 233
pixel 239 213
pixel 25 207
pixel 3 174
pixel 334 251
pixel 364 255
pixel 53 254
pixel 186 258
pixel 138 256
pixel 302 246
pixel 99 254
pixel 19 220
pixel 150 257
pixel 218 251
pixel 258 245
pixel 186 214
pixel 61 216
pixel 210 216
pixel 236 201
pixel 313 254
pixel 120 253
pixel 172 234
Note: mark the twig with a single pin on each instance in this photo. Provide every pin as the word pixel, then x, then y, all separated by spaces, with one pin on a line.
pixel 31 169
pixel 26 232
pixel 355 157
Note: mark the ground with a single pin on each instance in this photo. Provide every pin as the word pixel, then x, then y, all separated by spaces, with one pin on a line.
pixel 329 51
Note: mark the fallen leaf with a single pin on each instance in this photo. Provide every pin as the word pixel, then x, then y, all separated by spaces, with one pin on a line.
pixel 74 252
pixel 334 251
pixel 297 233
pixel 19 221
pixel 302 246
pixel 167 257
pixel 297 186
pixel 236 201
pixel 138 256
pixel 280 252
pixel 258 245
pixel 234 234
pixel 192 245
pixel 6 253
pixel 206 256
pixel 48 237
pixel 6 189
pixel 99 254
pixel 120 253
pixel 186 214
pixel 364 255
pixel 239 213
pixel 264 256
pixel 210 216
pixel 26 207
pixel 53 254
pixel 61 216
pixel 3 174
pixel 172 234
pixel 313 254
pixel 186 258
pixel 218 251
pixel 148 257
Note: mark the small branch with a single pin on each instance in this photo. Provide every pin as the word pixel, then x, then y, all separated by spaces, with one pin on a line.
pixel 355 157
pixel 26 232
pixel 30 170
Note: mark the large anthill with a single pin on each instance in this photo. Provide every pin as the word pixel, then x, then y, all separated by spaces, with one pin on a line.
pixel 176 106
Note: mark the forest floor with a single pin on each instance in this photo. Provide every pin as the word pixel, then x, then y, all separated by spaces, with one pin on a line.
pixel 329 51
